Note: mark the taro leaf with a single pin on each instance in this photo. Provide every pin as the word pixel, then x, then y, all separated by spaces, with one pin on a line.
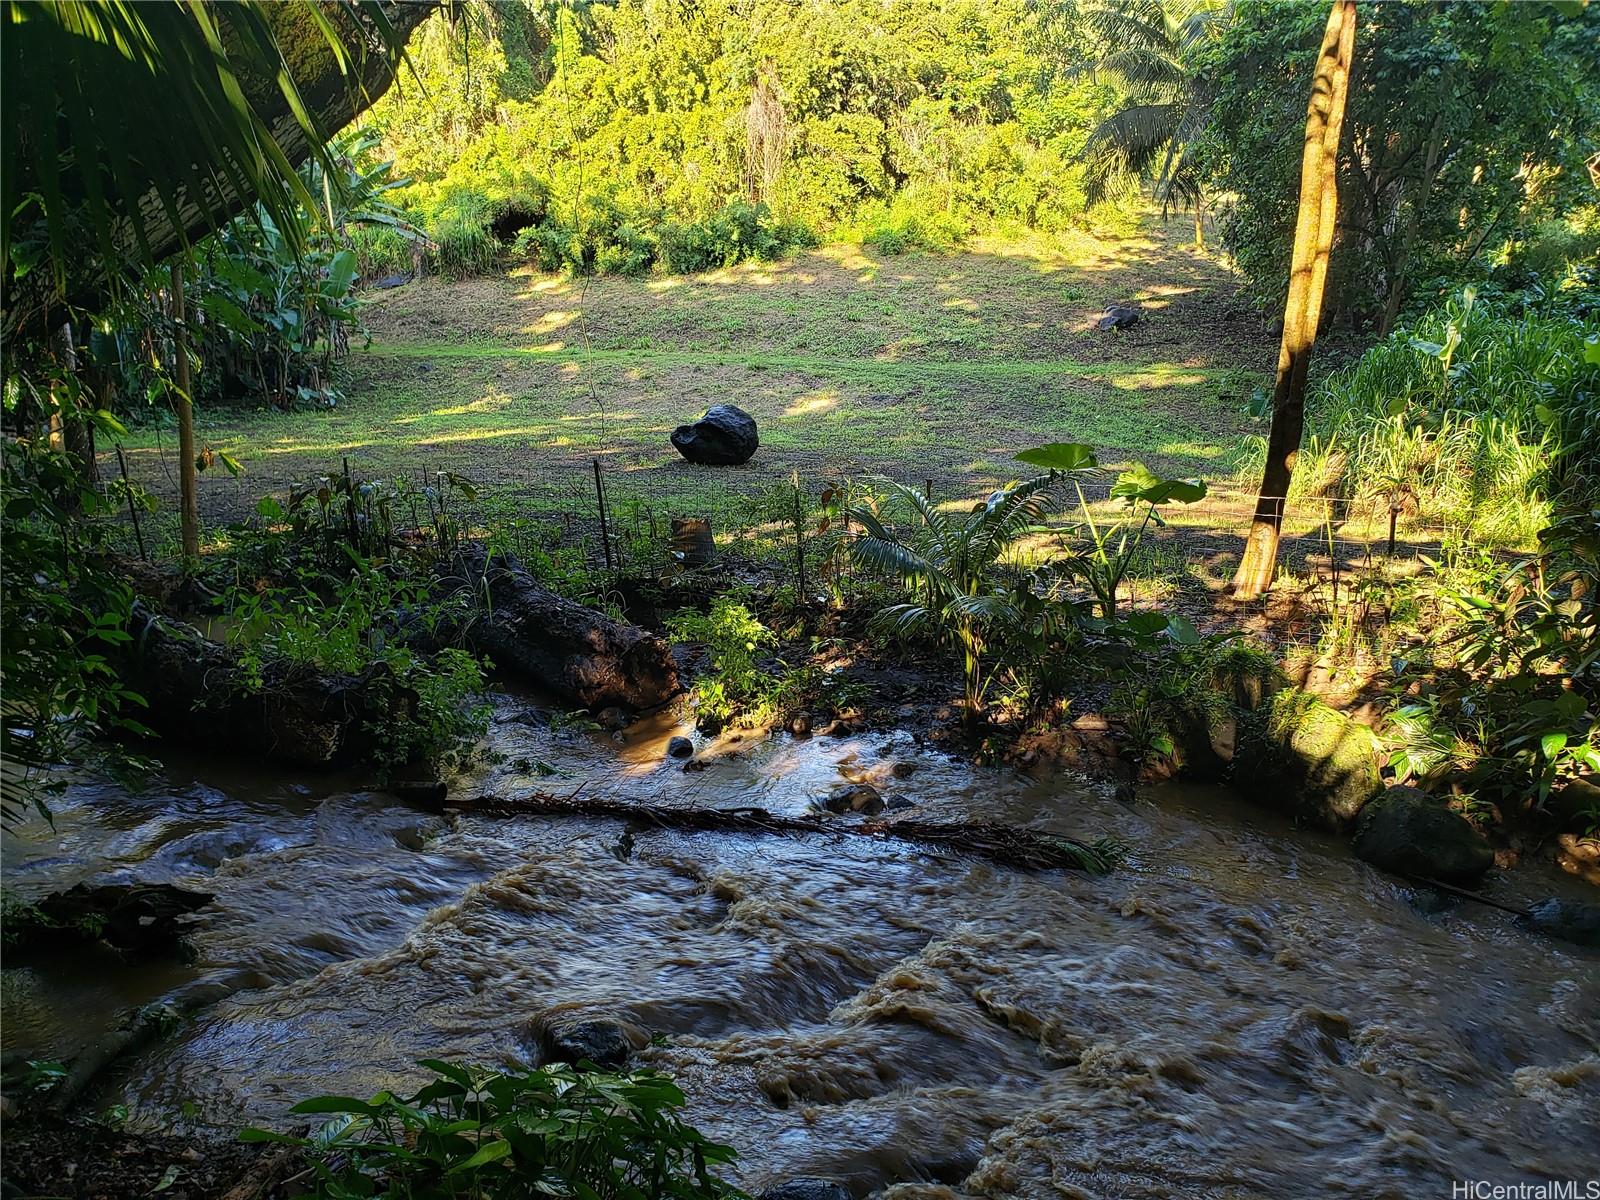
pixel 1138 483
pixel 1060 456
pixel 1182 631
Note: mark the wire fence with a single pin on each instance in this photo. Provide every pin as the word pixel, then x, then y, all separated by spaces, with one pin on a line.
pixel 619 522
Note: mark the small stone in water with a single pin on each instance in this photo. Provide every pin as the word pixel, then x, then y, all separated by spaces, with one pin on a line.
pixel 602 1041
pixel 903 770
pixel 806 1188
pixel 680 747
pixel 854 797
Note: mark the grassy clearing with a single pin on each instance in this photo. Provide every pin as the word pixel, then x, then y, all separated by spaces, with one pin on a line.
pixel 922 367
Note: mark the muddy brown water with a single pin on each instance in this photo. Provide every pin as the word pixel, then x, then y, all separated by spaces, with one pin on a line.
pixel 1241 1010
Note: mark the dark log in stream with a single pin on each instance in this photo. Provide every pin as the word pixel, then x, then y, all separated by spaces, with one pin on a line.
pixel 1006 845
pixel 556 643
pixel 198 692
pixel 137 917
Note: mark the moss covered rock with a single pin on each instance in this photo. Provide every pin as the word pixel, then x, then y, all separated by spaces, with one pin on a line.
pixel 1412 833
pixel 1299 755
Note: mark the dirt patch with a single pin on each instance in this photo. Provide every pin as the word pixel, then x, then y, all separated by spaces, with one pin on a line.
pixel 91 1160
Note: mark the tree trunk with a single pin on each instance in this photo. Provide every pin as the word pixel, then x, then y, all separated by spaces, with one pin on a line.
pixel 1308 273
pixel 1431 166
pixel 188 506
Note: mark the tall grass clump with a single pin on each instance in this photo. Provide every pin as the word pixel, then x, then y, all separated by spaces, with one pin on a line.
pixel 1463 415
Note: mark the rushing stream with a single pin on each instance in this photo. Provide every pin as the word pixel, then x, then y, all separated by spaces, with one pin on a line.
pixel 1241 1010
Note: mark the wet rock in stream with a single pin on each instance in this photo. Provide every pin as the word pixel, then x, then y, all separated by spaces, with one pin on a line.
pixel 1412 833
pixel 854 797
pixel 806 1188
pixel 603 1041
pixel 680 747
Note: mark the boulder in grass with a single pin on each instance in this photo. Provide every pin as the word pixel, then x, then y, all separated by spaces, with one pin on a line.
pixel 1119 316
pixel 1410 832
pixel 725 437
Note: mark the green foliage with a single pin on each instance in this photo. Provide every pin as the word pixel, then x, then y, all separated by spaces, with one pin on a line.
pixel 1479 417
pixel 123 77
pixel 65 615
pixel 1170 684
pixel 737 688
pixel 1512 702
pixel 684 139
pixel 482 1134
pixel 949 566
pixel 1150 48
pixel 1465 123
pixel 354 631
pixel 1104 561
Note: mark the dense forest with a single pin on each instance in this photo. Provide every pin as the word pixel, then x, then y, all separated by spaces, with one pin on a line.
pixel 899 598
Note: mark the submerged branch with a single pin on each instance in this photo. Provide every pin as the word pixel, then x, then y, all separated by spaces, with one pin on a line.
pixel 1003 844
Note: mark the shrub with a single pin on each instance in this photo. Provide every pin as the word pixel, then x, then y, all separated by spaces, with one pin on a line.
pixel 480 1133
pixel 737 689
pixel 1463 411
pixel 463 247
pixel 906 225
pixel 380 252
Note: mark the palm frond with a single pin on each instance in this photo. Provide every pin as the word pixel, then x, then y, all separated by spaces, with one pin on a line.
pixel 144 124
pixel 1008 514
pixel 1126 144
pixel 884 553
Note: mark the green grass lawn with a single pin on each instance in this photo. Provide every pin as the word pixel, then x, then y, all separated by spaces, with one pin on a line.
pixel 920 367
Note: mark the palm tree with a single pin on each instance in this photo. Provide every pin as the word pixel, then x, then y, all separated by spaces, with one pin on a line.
pixel 1148 47
pixel 947 563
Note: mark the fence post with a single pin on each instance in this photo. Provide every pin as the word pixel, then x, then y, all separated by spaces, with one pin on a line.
pixel 127 490
pixel 799 541
pixel 600 495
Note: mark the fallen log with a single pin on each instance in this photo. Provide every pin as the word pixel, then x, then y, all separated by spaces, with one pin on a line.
pixel 140 918
pixel 197 692
pixel 577 652
pixel 1007 845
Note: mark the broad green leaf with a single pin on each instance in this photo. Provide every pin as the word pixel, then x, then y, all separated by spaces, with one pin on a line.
pixel 1552 744
pixel 492 1152
pixel 341 272
pixel 1060 456
pixel 1182 631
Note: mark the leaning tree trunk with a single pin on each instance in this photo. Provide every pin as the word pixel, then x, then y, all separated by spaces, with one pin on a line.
pixel 1308 272
pixel 183 406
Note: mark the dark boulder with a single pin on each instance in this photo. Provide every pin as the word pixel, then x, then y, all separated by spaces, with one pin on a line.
pixel 680 747
pixel 854 797
pixel 1411 833
pixel 806 1187
pixel 136 917
pixel 724 437
pixel 603 1041
pixel 1569 920
pixel 1119 316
